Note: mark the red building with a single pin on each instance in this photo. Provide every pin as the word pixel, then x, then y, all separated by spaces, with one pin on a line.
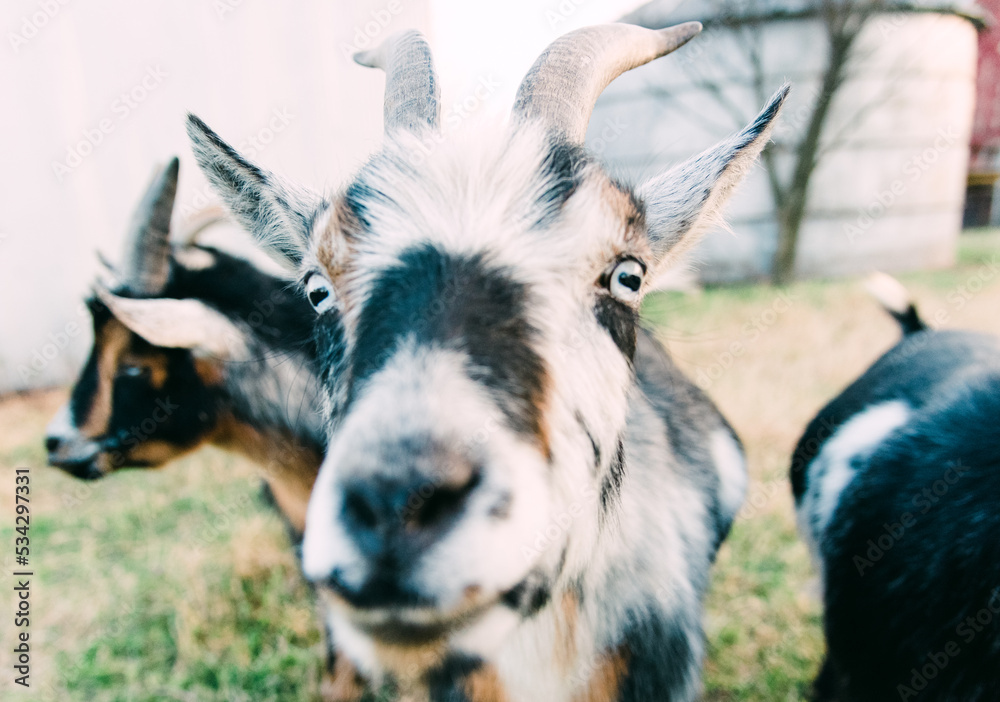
pixel 984 165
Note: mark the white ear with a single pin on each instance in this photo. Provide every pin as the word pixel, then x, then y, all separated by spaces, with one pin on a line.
pixel 179 324
pixel 681 203
pixel 278 214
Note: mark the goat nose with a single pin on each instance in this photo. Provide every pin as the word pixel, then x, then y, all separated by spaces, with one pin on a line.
pixel 389 509
pixel 52 443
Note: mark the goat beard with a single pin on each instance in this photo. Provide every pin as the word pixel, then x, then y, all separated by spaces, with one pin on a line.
pixel 408 644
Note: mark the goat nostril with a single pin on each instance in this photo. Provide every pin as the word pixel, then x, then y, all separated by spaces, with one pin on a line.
pixel 359 511
pixel 443 503
pixel 51 443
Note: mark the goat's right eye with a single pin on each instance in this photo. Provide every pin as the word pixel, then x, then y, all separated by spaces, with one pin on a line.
pixel 320 293
pixel 133 371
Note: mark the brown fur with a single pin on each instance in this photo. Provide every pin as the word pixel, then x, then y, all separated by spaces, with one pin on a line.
pixel 342 684
pixel 605 684
pixel 484 686
pixel 289 468
pixel 334 246
pixel 112 340
pixel 157 453
pixel 566 627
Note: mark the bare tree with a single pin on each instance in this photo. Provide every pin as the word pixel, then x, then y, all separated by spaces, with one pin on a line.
pixel 842 22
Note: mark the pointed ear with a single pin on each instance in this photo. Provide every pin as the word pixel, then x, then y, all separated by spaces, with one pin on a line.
pixel 179 324
pixel 278 214
pixel 684 201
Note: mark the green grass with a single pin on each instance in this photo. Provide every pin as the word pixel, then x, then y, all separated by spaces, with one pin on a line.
pixel 179 584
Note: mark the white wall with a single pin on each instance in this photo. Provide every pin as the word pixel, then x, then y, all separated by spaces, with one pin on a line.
pixel 914 79
pixel 256 71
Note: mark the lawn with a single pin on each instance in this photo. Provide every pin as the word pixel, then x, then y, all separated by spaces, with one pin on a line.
pixel 179 584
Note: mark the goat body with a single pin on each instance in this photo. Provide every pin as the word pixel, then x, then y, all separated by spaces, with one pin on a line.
pixel 896 484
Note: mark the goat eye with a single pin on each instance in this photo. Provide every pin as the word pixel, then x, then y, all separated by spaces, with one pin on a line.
pixel 131 371
pixel 320 293
pixel 626 280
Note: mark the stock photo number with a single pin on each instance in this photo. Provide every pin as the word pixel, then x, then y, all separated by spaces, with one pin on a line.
pixel 22 576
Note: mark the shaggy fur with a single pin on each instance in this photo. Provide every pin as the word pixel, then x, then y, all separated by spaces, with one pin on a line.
pixel 896 482
pixel 522 495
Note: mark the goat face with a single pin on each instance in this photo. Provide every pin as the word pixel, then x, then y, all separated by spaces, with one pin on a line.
pixel 477 303
pixel 147 392
pixel 134 404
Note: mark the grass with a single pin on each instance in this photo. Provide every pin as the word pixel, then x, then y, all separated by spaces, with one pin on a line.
pixel 179 584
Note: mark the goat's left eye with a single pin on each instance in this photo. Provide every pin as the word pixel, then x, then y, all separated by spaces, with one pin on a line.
pixel 626 280
pixel 320 293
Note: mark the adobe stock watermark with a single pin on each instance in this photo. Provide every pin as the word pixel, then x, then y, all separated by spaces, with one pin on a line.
pixel 225 7
pixel 120 110
pixel 457 112
pixel 913 170
pixel 611 130
pixel 558 14
pixel 118 446
pixel 54 346
pixel 365 36
pixel 759 498
pixel 250 147
pixel 561 523
pixel 935 662
pixel 750 333
pixel 894 531
pixel 31 25
pixel 959 296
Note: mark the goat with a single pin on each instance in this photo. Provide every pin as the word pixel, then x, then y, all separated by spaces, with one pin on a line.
pixel 522 496
pixel 896 484
pixel 194 346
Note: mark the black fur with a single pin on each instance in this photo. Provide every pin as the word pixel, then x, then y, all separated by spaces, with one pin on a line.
pixel 530 595
pixel 621 322
pixel 909 321
pixel 914 370
pixel 611 487
pixel 657 652
pixel 280 320
pixel 466 304
pixel 593 442
pixel 446 683
pixel 562 171
pixel 913 548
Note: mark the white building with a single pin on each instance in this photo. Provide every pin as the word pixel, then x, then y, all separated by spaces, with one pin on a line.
pixel 890 185
pixel 97 92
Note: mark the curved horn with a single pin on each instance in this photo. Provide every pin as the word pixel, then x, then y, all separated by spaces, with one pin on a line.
pixel 562 87
pixel 146 261
pixel 412 93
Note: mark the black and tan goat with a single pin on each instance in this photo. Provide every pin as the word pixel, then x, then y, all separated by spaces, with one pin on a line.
pixel 897 487
pixel 523 495
pixel 195 346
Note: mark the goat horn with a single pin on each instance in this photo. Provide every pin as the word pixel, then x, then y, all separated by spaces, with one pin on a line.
pixel 412 93
pixel 562 87
pixel 146 262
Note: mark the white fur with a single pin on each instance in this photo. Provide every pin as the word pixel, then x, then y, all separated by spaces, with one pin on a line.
pixel 477 192
pixel 732 468
pixel 888 291
pixel 832 470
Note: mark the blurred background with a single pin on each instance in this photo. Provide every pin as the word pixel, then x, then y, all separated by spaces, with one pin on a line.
pixel 179 584
pixel 887 148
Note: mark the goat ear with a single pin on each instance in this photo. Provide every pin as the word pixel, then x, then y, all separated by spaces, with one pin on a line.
pixel 278 214
pixel 179 324
pixel 681 203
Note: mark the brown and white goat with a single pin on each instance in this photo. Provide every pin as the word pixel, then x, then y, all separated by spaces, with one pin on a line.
pixel 522 496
